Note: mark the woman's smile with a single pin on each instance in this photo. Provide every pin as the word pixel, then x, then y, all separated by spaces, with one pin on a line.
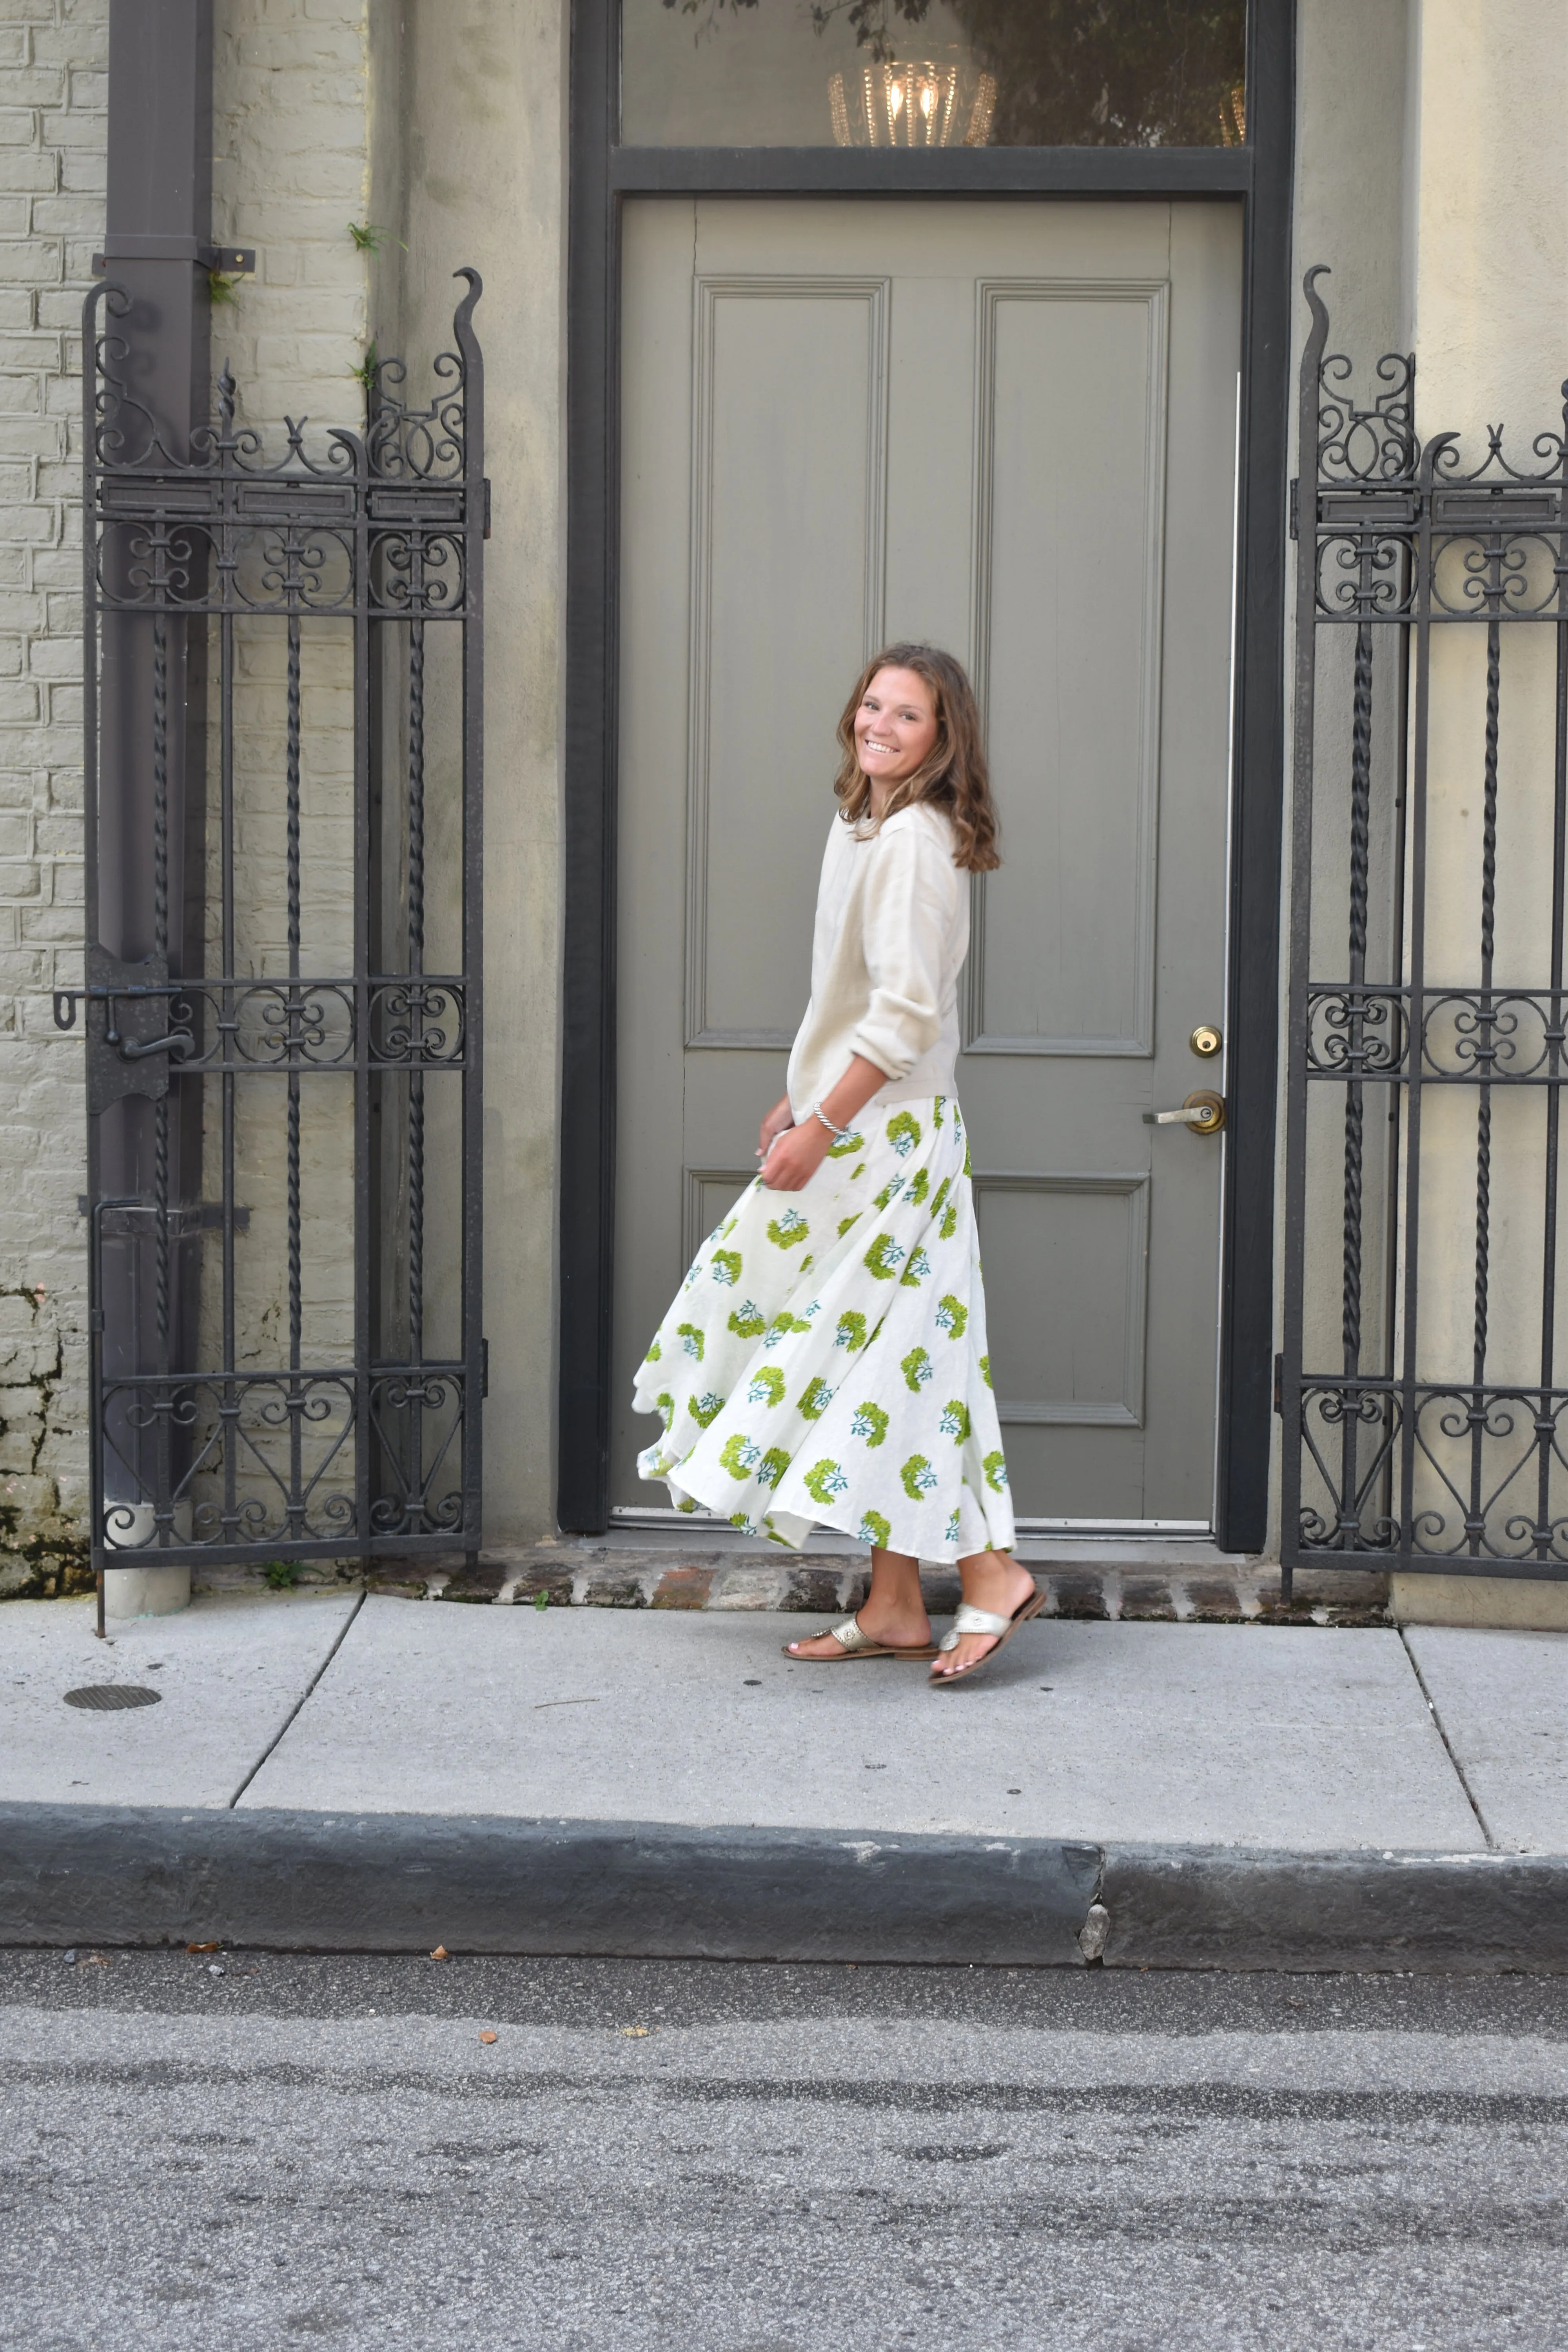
pixel 895 727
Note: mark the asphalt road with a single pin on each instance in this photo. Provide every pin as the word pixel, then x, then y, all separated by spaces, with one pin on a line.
pixel 738 2159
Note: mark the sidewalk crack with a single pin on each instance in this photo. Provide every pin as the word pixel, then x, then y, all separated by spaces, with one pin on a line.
pixel 288 1722
pixel 1493 1847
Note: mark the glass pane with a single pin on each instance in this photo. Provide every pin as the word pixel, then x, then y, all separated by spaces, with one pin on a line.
pixel 933 73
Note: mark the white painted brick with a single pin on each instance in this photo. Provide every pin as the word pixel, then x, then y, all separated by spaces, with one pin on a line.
pixel 40 261
pixel 29 171
pixel 290 170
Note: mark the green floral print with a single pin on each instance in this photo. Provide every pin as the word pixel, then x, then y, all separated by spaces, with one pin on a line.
pixel 739 1456
pixel 884 1257
pixel 824 1480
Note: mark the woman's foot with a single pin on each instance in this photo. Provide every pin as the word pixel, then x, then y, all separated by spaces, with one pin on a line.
pixel 993 1580
pixel 898 1630
pixel 892 1610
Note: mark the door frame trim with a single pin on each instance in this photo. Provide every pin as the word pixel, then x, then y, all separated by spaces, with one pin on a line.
pixel 601 175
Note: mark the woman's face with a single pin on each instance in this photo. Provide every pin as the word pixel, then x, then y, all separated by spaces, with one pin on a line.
pixel 895 727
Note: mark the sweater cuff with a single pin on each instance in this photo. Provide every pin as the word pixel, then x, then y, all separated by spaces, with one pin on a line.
pixel 885 1048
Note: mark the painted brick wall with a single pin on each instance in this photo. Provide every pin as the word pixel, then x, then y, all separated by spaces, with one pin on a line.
pixel 290 169
pixel 53 55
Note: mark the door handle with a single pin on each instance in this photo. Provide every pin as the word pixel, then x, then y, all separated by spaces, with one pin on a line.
pixel 1201 1114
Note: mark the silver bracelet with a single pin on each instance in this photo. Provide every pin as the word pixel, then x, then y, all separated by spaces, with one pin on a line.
pixel 839 1133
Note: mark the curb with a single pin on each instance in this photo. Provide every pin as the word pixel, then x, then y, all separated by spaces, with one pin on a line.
pixel 1231 1907
pixel 406 1882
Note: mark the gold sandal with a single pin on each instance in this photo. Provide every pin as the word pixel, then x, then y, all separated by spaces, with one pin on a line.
pixel 967 1619
pixel 856 1642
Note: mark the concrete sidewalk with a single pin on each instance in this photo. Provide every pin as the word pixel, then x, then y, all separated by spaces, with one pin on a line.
pixel 372 1772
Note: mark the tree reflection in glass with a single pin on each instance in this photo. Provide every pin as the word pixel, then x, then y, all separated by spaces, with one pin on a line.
pixel 947 73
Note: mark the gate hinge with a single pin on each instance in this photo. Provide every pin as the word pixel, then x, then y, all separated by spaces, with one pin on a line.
pixel 1296 506
pixel 484 1368
pixel 1279 1386
pixel 486 506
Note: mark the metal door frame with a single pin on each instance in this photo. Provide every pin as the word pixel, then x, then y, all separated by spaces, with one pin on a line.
pixel 603 174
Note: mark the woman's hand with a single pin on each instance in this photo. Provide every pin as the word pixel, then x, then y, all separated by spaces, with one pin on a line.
pixel 795 1157
pixel 780 1117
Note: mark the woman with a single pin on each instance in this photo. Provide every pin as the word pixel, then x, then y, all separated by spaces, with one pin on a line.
pixel 826 1359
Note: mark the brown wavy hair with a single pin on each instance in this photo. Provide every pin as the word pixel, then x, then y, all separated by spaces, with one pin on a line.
pixel 954 777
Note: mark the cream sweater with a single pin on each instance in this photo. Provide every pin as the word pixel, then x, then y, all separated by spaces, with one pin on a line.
pixel 892 932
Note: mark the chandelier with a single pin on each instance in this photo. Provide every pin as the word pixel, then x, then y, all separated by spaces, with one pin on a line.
pixel 921 104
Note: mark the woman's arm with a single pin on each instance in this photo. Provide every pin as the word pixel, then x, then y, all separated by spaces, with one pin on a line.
pixel 794 1156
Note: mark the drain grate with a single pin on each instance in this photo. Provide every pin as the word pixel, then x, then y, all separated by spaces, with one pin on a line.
pixel 103 1697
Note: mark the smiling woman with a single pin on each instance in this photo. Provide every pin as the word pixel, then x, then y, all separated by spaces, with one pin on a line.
pixel 934 73
pixel 826 1360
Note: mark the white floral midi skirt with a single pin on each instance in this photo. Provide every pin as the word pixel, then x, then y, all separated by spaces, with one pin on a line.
pixel 825 1362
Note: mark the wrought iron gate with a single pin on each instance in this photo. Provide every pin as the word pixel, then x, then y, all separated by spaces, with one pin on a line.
pixel 291 1366
pixel 1429 1010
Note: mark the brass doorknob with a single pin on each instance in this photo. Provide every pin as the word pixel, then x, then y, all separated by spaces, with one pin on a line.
pixel 1206 1041
pixel 1201 1114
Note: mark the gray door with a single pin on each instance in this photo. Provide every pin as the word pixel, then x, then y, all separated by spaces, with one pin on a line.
pixel 1009 429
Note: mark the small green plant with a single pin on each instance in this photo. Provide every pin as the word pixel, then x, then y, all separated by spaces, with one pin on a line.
pixel 368 236
pixel 542 1599
pixel 364 374
pixel 221 285
pixel 282 1575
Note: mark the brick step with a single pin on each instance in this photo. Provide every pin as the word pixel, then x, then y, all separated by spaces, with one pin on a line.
pixel 619 1575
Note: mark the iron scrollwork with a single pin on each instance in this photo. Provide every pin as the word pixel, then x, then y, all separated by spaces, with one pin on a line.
pixel 302 1401
pixel 1403 1031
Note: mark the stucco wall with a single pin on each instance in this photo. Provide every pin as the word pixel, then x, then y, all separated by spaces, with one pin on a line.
pixel 468 111
pixel 1432 177
pixel 1349 213
pixel 1489 299
pixel 290 172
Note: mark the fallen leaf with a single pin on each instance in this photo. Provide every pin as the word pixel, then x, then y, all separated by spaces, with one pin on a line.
pixel 488 2036
pixel 441 1953
pixel 636 2029
pixel 203 1948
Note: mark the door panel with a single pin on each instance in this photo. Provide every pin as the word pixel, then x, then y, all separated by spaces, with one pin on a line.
pixel 1008 428
pixel 1071 399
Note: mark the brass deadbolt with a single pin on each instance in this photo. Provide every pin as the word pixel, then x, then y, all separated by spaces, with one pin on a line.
pixel 1206 1041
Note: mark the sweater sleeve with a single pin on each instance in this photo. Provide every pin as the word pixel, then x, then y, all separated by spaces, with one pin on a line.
pixel 905 914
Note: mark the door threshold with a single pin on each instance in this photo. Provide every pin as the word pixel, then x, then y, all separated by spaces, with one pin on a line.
pixel 1042 1543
